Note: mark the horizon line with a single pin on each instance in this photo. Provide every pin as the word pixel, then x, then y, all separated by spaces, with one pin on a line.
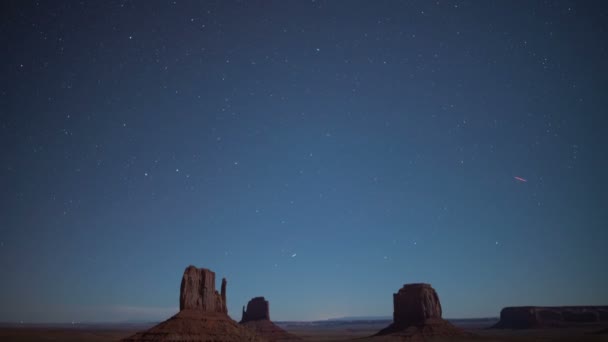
pixel 130 322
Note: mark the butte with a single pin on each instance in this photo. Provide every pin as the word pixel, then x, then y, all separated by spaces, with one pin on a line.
pixel 257 318
pixel 417 316
pixel 202 316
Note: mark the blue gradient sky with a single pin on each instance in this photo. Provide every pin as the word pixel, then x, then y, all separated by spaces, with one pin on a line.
pixel 320 154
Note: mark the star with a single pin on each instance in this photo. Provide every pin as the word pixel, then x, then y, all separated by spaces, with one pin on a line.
pixel 370 139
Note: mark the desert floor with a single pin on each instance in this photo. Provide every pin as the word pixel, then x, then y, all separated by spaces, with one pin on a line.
pixel 340 332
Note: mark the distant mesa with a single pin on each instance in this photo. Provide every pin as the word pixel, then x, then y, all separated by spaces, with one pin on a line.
pixel 203 314
pixel 257 318
pixel 417 315
pixel 529 317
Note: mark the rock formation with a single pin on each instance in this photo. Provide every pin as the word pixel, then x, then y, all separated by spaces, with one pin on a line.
pixel 257 309
pixel 197 291
pixel 526 317
pixel 223 295
pixel 417 315
pixel 414 304
pixel 203 314
pixel 257 318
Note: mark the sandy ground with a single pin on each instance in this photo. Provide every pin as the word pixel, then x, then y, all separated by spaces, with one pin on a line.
pixel 307 333
pixel 61 334
pixel 546 335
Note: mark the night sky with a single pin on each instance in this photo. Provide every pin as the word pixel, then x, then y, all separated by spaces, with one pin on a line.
pixel 320 154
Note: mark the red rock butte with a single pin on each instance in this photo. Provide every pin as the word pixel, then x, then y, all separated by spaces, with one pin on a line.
pixel 203 315
pixel 415 303
pixel 417 315
pixel 258 308
pixel 257 318
pixel 197 291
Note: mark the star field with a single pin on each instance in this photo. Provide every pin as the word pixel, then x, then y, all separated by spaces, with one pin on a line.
pixel 318 153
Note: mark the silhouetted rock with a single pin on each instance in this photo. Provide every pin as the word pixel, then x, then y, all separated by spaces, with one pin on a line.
pixel 417 315
pixel 414 304
pixel 257 309
pixel 202 317
pixel 526 317
pixel 223 295
pixel 257 318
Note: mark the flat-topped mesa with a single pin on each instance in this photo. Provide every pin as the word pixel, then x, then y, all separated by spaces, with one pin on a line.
pixel 527 317
pixel 197 291
pixel 414 304
pixel 257 309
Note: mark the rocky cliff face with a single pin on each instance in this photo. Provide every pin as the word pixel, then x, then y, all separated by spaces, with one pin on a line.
pixel 417 315
pixel 414 304
pixel 202 317
pixel 197 291
pixel 525 317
